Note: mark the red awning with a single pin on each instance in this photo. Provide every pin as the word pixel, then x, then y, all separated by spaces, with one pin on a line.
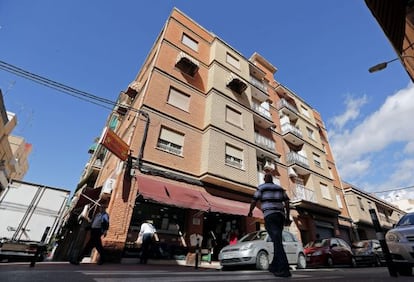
pixel 222 205
pixel 183 195
pixel 189 196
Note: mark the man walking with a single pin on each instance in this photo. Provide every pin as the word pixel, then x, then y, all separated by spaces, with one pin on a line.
pixel 276 211
pixel 99 228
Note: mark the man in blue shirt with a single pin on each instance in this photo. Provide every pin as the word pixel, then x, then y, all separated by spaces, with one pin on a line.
pixel 99 227
pixel 276 210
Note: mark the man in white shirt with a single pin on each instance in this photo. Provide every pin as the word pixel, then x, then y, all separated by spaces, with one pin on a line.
pixel 148 233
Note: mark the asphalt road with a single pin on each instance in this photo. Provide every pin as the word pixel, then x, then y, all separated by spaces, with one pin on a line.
pixel 62 272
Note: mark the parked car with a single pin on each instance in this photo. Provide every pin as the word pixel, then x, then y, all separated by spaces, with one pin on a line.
pixel 329 252
pixel 368 252
pixel 256 249
pixel 400 241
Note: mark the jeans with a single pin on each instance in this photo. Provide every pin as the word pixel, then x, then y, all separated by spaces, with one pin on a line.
pixel 146 247
pixel 274 226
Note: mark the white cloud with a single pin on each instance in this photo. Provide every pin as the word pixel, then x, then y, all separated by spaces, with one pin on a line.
pixel 355 149
pixel 353 107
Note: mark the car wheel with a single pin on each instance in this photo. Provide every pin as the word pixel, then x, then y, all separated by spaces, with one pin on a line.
pixel 329 262
pixel 353 262
pixel 377 261
pixel 405 270
pixel 301 261
pixel 262 261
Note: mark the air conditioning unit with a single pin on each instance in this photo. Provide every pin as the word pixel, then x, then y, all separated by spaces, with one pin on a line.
pixel 108 185
pixel 292 172
pixel 269 165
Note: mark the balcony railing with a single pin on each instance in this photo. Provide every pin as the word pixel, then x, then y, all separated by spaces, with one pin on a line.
pixel 261 110
pixel 295 158
pixel 301 193
pixel 258 84
pixel 283 103
pixel 264 142
pixel 287 127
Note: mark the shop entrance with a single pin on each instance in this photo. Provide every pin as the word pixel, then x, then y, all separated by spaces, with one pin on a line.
pixel 220 230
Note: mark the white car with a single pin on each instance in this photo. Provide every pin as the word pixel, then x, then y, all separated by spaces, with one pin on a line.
pixel 400 241
pixel 256 248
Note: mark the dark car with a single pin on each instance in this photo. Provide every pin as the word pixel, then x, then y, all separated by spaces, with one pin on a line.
pixel 368 252
pixel 329 252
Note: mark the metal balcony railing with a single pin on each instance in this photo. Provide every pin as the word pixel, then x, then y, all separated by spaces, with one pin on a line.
pixel 283 103
pixel 261 110
pixel 258 84
pixel 301 193
pixel 287 127
pixel 295 158
pixel 264 142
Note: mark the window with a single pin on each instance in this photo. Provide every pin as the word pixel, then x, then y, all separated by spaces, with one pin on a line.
pixel 234 156
pixel 338 200
pixel 311 135
pixel 179 99
pixel 330 173
pixel 189 42
pixel 233 116
pixel 361 205
pixel 233 61
pixel 305 111
pixel 171 141
pixel 317 160
pixel 325 191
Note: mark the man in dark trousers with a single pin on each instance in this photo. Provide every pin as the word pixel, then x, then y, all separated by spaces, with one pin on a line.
pixel 99 228
pixel 276 211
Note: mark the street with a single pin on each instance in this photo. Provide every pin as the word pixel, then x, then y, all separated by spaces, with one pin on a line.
pixel 63 271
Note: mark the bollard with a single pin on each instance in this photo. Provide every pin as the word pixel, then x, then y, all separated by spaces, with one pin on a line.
pixel 381 238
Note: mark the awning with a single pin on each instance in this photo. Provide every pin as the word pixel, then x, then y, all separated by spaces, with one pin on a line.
pixel 87 196
pixel 223 205
pixel 183 195
pixel 189 196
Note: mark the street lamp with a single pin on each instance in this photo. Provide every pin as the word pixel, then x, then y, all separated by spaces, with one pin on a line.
pixel 383 65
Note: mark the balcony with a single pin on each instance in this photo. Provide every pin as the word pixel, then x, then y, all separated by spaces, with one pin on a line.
pixel 292 134
pixel 298 162
pixel 259 91
pixel 262 116
pixel 301 193
pixel 264 142
pixel 287 108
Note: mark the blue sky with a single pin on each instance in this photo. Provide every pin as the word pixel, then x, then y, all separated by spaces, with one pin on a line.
pixel 322 50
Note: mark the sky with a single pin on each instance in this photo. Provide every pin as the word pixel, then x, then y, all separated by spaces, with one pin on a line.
pixel 322 50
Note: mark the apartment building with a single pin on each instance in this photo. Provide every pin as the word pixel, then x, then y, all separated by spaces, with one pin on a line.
pixel 196 131
pixel 14 151
pixel 360 203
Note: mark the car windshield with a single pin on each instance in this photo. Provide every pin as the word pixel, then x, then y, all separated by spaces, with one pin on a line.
pixel 260 235
pixel 317 244
pixel 407 219
pixel 361 244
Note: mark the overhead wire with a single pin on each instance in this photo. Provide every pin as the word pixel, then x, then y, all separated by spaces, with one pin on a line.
pixel 85 96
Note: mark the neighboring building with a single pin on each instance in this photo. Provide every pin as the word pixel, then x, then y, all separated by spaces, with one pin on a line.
pixel 359 203
pixel 203 124
pixel 396 19
pixel 14 150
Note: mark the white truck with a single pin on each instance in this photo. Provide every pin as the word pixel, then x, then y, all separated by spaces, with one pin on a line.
pixel 30 216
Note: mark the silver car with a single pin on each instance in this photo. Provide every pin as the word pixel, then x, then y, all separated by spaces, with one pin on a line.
pixel 400 241
pixel 256 248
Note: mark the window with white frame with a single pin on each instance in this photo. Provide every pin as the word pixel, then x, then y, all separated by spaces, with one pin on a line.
pixel 317 160
pixel 233 116
pixel 179 99
pixel 325 191
pixel 305 111
pixel 339 201
pixel 233 61
pixel 234 156
pixel 311 134
pixel 171 141
pixel 189 42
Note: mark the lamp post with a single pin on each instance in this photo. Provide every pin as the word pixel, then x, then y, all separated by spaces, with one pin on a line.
pixel 383 65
